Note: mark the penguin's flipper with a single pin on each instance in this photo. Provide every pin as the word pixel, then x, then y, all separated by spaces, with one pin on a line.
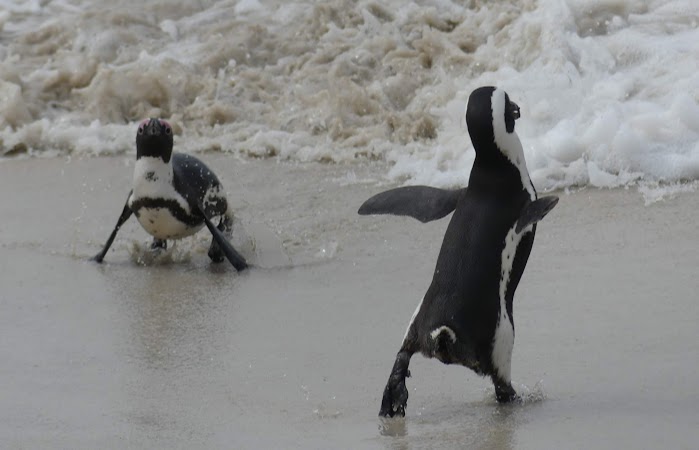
pixel 125 214
pixel 535 211
pixel 423 203
pixel 232 254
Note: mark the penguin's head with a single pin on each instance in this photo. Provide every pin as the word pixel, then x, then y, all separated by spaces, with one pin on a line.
pixel 154 139
pixel 490 117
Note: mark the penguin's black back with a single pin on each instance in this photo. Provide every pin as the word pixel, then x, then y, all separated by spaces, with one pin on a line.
pixel 193 180
pixel 464 293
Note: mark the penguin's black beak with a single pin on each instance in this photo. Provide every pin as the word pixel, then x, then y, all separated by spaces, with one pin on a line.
pixel 153 128
pixel 514 110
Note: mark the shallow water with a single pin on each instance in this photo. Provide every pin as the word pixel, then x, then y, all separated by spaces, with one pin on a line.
pixel 608 89
pixel 189 355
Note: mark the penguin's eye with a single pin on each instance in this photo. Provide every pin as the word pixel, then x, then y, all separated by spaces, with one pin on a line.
pixel 142 126
pixel 166 126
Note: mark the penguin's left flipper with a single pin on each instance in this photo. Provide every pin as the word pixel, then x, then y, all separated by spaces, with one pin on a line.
pixel 423 203
pixel 232 254
pixel 535 211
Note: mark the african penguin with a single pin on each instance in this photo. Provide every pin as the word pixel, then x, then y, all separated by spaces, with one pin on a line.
pixel 466 315
pixel 174 195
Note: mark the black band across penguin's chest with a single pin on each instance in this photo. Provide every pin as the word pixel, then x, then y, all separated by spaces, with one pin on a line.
pixel 170 205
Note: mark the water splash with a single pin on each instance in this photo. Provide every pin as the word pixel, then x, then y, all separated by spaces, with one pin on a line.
pixel 525 394
pixel 142 254
pixel 528 395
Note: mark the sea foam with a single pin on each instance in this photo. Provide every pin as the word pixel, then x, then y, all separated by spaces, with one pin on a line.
pixel 609 90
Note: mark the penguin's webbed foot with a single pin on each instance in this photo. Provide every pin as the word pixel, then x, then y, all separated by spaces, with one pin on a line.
pixel 395 397
pixel 504 393
pixel 158 244
pixel 215 253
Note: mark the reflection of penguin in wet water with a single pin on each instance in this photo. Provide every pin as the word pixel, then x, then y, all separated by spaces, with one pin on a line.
pixel 466 315
pixel 174 195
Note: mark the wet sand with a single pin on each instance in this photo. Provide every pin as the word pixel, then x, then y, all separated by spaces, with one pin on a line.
pixel 295 353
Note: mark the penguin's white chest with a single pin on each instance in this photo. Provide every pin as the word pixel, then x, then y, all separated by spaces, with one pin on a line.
pixel 504 337
pixel 161 224
pixel 156 203
pixel 153 178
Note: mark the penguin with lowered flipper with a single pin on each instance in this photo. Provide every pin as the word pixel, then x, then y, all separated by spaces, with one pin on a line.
pixel 174 195
pixel 466 315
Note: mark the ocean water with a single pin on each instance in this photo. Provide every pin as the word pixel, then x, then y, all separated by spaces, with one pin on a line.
pixel 609 89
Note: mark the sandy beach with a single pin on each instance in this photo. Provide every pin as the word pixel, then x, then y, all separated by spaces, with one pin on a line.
pixel 177 353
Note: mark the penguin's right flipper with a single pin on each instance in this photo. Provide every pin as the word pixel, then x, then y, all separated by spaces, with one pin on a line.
pixel 232 254
pixel 125 214
pixel 423 203
pixel 535 211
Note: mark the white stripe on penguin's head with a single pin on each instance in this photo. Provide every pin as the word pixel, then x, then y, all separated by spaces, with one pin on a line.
pixel 505 136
